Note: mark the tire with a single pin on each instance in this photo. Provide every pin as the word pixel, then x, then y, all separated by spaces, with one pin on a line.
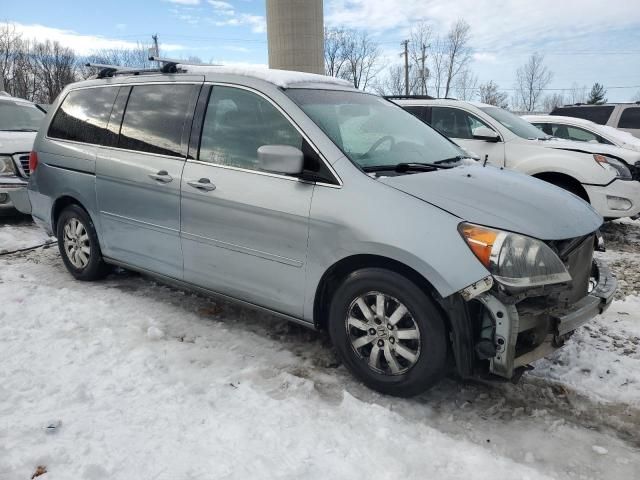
pixel 401 367
pixel 81 237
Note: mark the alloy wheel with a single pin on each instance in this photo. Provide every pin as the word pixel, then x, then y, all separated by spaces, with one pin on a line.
pixel 383 332
pixel 76 243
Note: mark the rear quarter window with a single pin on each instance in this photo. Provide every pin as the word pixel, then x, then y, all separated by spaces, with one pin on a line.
pixel 83 116
pixel 630 118
pixel 597 114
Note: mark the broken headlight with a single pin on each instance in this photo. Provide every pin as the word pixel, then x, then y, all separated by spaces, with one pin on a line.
pixel 514 260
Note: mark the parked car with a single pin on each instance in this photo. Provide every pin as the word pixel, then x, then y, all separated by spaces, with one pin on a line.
pixel 19 122
pixel 580 130
pixel 330 207
pixel 624 116
pixel 589 171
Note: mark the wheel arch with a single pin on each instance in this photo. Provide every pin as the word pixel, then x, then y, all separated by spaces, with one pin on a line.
pixel 558 179
pixel 60 204
pixel 337 272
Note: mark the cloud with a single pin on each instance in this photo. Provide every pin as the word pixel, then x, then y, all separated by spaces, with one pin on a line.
pixel 219 5
pixel 236 48
pixel 485 57
pixel 494 23
pixel 184 2
pixel 81 44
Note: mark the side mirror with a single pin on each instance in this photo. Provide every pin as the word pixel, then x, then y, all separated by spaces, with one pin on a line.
pixel 486 134
pixel 283 159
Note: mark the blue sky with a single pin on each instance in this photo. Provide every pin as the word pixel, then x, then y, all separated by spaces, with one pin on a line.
pixel 583 41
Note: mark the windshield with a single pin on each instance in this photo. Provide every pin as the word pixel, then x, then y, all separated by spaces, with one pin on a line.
pixel 373 132
pixel 517 125
pixel 20 117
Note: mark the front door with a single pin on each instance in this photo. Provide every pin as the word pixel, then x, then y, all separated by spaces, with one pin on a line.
pixel 244 231
pixel 138 178
pixel 458 125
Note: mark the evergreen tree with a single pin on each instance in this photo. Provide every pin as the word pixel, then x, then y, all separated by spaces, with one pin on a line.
pixel 597 95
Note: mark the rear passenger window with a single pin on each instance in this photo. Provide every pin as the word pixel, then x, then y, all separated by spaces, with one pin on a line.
pixel 630 118
pixel 154 119
pixel 83 116
pixel 597 114
pixel 237 123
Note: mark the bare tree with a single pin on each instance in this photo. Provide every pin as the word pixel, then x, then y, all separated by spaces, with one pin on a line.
pixel 334 51
pixel 531 80
pixel 490 94
pixel 392 83
pixel 438 67
pixel 55 66
pixel 577 94
pixel 456 52
pixel 419 47
pixel 466 85
pixel 361 57
pixel 552 101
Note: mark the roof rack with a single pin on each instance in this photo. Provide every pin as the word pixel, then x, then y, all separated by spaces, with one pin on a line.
pixel 170 65
pixel 105 71
pixel 409 97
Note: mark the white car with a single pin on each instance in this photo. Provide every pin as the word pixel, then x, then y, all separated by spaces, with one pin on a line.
pixel 506 140
pixel 19 123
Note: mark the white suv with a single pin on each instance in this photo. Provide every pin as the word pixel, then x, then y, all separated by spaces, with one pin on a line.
pixel 507 140
pixel 19 123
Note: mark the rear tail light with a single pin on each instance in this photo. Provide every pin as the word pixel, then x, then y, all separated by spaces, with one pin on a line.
pixel 33 161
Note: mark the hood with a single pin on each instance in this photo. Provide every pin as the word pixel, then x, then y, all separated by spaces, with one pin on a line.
pixel 16 142
pixel 585 147
pixel 502 199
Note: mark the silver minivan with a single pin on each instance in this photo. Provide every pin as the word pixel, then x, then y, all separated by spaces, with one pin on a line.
pixel 328 206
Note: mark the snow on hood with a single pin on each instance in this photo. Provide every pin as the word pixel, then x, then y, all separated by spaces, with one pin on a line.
pixel 16 142
pixel 502 199
pixel 281 78
pixel 621 136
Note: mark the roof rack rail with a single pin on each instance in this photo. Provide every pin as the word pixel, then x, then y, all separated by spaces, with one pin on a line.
pixel 170 65
pixel 105 71
pixel 409 97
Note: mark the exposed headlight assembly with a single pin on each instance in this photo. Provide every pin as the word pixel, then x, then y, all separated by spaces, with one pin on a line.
pixel 514 260
pixel 7 168
pixel 614 166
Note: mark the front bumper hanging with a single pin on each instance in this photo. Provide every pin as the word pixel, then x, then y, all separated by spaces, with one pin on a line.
pixel 564 321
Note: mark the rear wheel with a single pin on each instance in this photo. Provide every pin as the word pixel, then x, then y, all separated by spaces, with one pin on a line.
pixel 78 244
pixel 388 332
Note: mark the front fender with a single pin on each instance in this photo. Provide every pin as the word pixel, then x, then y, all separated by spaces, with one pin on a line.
pixel 367 217
pixel 578 165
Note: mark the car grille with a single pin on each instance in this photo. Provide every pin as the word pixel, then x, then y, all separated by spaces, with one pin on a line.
pixel 22 161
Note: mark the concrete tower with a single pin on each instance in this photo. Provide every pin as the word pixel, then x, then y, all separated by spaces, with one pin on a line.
pixel 295 31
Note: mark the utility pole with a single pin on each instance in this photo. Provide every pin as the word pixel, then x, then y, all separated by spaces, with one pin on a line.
pixel 406 66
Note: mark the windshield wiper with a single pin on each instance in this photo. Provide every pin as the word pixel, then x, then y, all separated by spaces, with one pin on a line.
pixel 19 130
pixel 407 167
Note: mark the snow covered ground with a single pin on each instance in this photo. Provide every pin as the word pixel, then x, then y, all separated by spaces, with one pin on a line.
pixel 127 378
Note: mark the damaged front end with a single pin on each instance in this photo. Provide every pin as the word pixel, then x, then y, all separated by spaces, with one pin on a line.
pixel 539 293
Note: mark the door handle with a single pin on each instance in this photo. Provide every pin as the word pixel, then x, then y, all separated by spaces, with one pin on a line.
pixel 202 184
pixel 162 176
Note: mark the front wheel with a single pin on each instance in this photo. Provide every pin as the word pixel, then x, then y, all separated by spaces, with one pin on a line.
pixel 388 332
pixel 78 244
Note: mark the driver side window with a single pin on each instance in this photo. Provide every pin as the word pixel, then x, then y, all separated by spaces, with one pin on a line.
pixel 456 123
pixel 237 123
